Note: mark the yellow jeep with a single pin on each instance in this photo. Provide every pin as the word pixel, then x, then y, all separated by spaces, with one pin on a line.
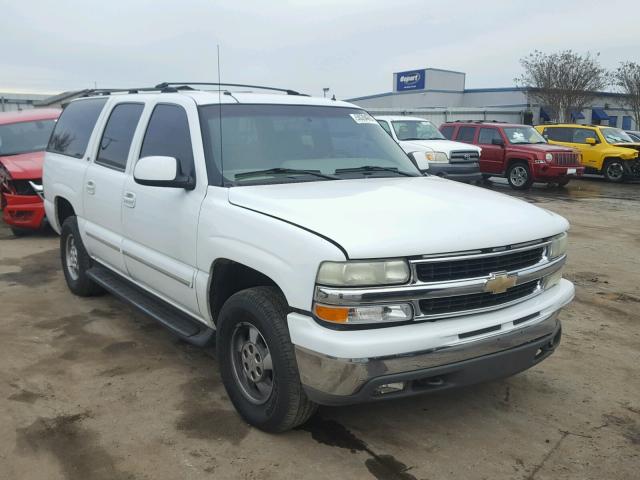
pixel 605 150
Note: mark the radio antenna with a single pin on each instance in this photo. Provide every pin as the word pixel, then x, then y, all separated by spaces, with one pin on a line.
pixel 220 115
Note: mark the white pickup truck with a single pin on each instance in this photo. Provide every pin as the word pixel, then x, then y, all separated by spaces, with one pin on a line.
pixel 439 156
pixel 297 236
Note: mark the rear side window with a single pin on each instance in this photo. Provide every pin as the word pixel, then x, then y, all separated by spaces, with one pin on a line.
pixel 487 135
pixel 73 129
pixel 447 131
pixel 558 134
pixel 118 134
pixel 466 134
pixel 168 135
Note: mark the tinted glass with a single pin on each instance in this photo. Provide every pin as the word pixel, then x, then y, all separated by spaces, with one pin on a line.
pixel 117 135
pixel 74 127
pixel 580 135
pixel 386 127
pixel 447 131
pixel 466 134
pixel 324 140
pixel 487 135
pixel 24 137
pixel 168 135
pixel 558 134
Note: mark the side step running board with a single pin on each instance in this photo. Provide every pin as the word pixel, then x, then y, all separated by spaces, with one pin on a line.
pixel 183 325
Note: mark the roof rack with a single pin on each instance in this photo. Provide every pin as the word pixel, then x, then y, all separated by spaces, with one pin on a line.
pixel 173 87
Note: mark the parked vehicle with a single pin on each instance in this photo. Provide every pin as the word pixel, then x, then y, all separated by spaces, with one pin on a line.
pixel 607 151
pixel 517 152
pixel 442 157
pixel 635 135
pixel 300 238
pixel 23 138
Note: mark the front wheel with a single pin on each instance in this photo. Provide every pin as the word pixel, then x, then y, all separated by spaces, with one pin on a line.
pixel 614 170
pixel 257 361
pixel 519 176
pixel 76 261
pixel 564 182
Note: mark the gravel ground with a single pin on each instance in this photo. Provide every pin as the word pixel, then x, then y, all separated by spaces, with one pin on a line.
pixel 90 389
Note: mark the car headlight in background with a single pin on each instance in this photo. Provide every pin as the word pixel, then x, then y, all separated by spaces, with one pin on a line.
pixel 359 315
pixel 558 246
pixel 359 274
pixel 436 157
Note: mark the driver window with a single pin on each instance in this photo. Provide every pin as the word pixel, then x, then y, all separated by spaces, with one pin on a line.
pixel 580 135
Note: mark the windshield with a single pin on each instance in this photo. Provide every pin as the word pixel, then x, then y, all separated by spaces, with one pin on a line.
pixel 24 137
pixel 416 130
pixel 526 135
pixel 285 143
pixel 615 135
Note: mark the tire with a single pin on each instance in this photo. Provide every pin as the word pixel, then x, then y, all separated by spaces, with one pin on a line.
pixel 519 176
pixel 251 329
pixel 564 183
pixel 485 177
pixel 76 261
pixel 613 170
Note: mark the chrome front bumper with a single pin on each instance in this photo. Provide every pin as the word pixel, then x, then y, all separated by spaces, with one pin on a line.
pixel 329 380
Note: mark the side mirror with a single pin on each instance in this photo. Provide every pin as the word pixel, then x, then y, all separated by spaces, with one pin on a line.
pixel 419 160
pixel 590 141
pixel 497 141
pixel 159 171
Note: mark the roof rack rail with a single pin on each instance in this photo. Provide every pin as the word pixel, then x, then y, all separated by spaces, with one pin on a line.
pixel 185 85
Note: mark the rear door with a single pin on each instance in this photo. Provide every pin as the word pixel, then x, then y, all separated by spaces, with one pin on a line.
pixel 160 223
pixel 104 183
pixel 492 156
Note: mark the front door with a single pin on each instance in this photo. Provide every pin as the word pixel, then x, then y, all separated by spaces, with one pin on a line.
pixel 104 183
pixel 492 156
pixel 160 223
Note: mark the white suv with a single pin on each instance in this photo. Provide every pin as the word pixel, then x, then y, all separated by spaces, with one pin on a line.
pixel 439 156
pixel 295 234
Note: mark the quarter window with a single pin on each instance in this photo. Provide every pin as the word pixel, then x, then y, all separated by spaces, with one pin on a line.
pixel 73 129
pixel 118 134
pixel 487 135
pixel 466 134
pixel 168 135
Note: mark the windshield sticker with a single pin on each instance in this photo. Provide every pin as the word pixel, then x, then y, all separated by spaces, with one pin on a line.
pixel 363 118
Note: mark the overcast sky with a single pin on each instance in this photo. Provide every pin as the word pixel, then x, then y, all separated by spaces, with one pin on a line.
pixel 352 46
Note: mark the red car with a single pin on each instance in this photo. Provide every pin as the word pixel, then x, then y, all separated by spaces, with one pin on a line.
pixel 23 138
pixel 517 152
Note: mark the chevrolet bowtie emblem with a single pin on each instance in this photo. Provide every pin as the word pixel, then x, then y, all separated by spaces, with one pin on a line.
pixel 500 282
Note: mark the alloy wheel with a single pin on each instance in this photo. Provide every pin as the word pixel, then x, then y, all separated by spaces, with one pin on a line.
pixel 252 364
pixel 519 175
pixel 71 257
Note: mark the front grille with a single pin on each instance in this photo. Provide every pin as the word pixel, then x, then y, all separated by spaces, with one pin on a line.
pixel 464 156
pixel 459 303
pixel 477 267
pixel 566 159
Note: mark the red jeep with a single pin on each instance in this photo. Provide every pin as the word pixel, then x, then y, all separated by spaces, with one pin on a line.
pixel 23 138
pixel 517 152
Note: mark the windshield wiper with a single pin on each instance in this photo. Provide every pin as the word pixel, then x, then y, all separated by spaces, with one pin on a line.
pixel 284 171
pixel 373 168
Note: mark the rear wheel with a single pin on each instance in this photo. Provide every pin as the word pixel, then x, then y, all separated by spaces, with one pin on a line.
pixel 76 261
pixel 614 170
pixel 519 176
pixel 257 361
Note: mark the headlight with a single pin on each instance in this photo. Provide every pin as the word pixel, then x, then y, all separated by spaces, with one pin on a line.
pixel 365 314
pixel 355 273
pixel 548 157
pixel 558 246
pixel 436 157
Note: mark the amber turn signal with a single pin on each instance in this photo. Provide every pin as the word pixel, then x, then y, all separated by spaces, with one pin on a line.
pixel 332 314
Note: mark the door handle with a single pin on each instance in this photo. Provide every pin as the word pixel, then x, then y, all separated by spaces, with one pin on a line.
pixel 91 187
pixel 129 199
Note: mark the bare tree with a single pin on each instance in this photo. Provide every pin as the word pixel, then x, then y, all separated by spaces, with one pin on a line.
pixel 627 78
pixel 562 81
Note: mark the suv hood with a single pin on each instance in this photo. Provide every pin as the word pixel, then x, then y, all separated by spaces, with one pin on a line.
pixel 539 147
pixel 446 146
pixel 25 166
pixel 397 217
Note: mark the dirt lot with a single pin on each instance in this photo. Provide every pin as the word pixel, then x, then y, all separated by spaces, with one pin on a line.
pixel 89 389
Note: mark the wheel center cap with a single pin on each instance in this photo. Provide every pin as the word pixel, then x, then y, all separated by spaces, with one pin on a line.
pixel 252 362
